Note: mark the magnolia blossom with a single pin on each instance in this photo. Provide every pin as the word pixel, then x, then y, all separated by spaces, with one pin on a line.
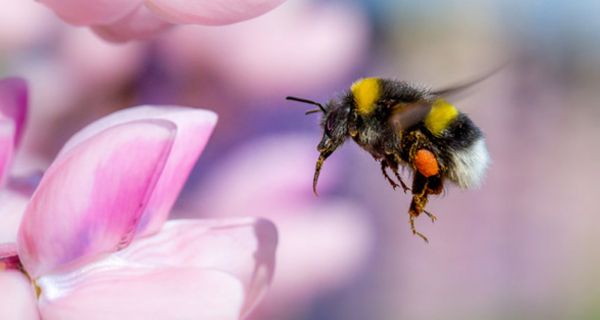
pixel 93 242
pixel 120 20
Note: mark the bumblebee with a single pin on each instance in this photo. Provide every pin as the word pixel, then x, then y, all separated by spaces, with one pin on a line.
pixel 406 125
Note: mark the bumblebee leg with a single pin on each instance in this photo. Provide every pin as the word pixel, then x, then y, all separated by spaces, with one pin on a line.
pixel 419 200
pixel 404 186
pixel 384 165
pixel 392 164
pixel 414 230
pixel 430 215
pixel 435 184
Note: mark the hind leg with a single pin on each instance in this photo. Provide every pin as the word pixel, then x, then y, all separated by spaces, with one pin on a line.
pixel 434 186
pixel 419 200
pixel 427 180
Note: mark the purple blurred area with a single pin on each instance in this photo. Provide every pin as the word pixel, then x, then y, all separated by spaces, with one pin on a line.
pixel 523 246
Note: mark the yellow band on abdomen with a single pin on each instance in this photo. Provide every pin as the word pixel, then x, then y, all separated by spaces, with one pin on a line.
pixel 441 115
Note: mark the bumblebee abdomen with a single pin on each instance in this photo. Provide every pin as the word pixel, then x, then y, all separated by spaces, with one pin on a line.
pixel 469 165
pixel 463 147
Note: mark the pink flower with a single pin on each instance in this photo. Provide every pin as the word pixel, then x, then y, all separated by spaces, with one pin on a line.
pixel 93 242
pixel 120 20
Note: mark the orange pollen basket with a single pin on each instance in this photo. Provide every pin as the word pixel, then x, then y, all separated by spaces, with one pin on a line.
pixel 426 163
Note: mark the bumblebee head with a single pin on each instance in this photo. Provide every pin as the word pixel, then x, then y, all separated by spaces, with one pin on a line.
pixel 335 130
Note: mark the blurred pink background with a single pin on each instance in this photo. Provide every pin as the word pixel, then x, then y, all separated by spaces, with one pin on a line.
pixel 524 246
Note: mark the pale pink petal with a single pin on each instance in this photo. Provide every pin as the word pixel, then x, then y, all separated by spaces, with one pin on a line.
pixel 139 24
pixel 13 103
pixel 194 127
pixel 7 138
pixel 12 207
pixel 144 293
pixel 90 200
pixel 210 12
pixel 92 11
pixel 244 247
pixel 17 297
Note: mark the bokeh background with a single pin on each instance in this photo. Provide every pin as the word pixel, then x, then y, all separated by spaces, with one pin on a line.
pixel 523 246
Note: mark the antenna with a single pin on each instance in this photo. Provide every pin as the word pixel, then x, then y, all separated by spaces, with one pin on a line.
pixel 309 102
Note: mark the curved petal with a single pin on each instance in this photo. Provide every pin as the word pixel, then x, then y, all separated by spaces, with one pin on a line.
pixel 92 12
pixel 13 103
pixel 244 247
pixel 91 199
pixel 7 138
pixel 210 12
pixel 139 24
pixel 194 127
pixel 17 299
pixel 141 293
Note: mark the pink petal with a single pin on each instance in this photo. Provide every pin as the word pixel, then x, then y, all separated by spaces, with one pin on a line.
pixel 210 12
pixel 147 293
pixel 139 24
pixel 90 200
pixel 17 298
pixel 194 127
pixel 92 12
pixel 7 138
pixel 13 103
pixel 243 247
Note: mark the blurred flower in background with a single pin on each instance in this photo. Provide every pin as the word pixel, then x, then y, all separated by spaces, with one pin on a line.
pixel 523 246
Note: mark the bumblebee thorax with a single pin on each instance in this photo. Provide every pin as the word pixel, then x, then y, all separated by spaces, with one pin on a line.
pixel 365 93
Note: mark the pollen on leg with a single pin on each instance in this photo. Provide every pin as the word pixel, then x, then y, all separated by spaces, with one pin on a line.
pixel 426 163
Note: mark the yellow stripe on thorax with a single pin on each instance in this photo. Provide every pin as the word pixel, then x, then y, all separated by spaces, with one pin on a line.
pixel 441 116
pixel 366 92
